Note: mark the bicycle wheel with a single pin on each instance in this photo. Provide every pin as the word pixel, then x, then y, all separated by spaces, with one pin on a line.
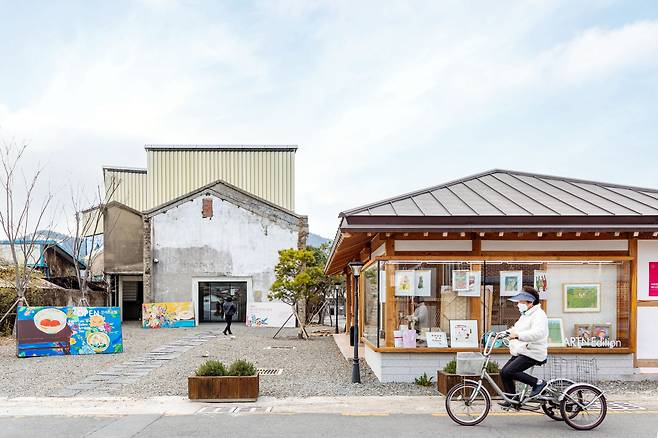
pixel 467 405
pixel 584 407
pixel 555 389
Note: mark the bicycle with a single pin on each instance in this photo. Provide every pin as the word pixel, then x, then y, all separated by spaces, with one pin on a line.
pixel 581 405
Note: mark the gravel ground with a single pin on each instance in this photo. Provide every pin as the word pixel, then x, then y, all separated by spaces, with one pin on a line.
pixel 40 376
pixel 314 368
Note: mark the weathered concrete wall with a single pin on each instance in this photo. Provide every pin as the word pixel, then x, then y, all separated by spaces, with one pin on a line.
pixel 235 243
pixel 124 240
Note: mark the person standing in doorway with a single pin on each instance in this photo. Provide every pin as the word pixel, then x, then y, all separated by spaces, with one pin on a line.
pixel 229 311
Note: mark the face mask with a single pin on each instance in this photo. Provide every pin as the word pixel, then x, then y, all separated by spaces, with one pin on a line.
pixel 522 307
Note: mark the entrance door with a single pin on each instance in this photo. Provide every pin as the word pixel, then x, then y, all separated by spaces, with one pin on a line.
pixel 132 299
pixel 212 295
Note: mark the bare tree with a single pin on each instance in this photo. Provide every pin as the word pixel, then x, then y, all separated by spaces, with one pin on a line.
pixel 87 226
pixel 21 215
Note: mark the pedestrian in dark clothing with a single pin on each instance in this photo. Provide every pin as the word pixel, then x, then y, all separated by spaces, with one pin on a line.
pixel 229 311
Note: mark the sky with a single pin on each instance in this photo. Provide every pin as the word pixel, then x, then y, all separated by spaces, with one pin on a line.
pixel 382 97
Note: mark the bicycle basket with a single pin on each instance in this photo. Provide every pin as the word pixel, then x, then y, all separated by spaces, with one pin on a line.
pixel 469 364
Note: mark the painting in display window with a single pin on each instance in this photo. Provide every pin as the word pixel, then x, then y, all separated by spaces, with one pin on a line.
pixel 511 283
pixel 602 332
pixel 541 284
pixel 463 333
pixel 460 280
pixel 582 298
pixel 474 282
pixel 555 332
pixel 423 282
pixel 583 331
pixel 404 283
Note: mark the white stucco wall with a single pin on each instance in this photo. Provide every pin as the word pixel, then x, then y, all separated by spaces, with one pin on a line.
pixel 235 244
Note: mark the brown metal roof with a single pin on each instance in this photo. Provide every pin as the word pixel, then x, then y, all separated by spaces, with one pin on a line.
pixel 508 193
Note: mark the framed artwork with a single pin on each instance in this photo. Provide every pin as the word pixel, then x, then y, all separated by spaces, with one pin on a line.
pixel 423 282
pixel 541 284
pixel 474 282
pixel 404 283
pixel 460 280
pixel 582 298
pixel 463 333
pixel 511 283
pixel 446 289
pixel 583 331
pixel 437 340
pixel 555 332
pixel 602 332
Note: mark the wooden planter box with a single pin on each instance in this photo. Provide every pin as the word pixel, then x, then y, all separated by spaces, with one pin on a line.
pixel 223 388
pixel 445 382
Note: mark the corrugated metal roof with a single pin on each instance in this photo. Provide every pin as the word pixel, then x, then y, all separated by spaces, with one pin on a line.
pixel 509 193
pixel 226 147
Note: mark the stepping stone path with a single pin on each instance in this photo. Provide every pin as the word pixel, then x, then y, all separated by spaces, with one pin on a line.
pixel 130 371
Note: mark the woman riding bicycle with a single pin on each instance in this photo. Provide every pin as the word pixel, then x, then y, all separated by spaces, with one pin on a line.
pixel 528 344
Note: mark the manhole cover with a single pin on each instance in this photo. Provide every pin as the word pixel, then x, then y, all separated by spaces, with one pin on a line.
pixel 269 371
pixel 280 347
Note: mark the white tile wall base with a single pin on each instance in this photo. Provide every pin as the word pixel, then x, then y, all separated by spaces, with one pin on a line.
pixel 405 367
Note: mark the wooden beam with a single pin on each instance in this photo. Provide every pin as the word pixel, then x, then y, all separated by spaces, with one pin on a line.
pixel 390 317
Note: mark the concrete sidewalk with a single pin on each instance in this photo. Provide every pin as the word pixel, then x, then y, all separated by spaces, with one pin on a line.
pixel 169 406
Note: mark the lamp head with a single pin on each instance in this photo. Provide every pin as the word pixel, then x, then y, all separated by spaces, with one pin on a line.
pixel 356 268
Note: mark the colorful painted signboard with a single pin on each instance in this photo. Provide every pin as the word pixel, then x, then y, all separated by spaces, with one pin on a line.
pixel 168 315
pixel 653 279
pixel 58 331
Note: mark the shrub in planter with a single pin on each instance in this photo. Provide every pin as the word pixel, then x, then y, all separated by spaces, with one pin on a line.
pixel 448 377
pixel 212 368
pixel 213 382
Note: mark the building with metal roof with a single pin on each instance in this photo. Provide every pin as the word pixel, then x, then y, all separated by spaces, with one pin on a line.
pixel 460 248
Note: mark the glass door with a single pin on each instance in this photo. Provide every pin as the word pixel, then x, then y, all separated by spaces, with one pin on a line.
pixel 213 294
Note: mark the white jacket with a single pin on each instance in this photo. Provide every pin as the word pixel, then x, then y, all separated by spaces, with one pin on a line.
pixel 532 332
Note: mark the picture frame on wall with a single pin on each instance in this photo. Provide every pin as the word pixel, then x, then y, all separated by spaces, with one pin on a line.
pixel 404 283
pixel 583 331
pixel 581 297
pixel 474 282
pixel 511 283
pixel 460 280
pixel 602 332
pixel 423 282
pixel 541 284
pixel 464 333
pixel 555 332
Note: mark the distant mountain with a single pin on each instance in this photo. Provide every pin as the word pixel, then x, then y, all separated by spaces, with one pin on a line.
pixel 316 240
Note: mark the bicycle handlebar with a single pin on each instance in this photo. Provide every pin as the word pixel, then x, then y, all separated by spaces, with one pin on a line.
pixel 489 345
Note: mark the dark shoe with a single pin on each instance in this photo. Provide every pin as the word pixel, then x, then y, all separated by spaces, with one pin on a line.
pixel 537 389
pixel 506 404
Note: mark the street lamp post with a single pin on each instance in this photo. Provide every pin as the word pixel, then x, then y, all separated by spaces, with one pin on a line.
pixel 337 289
pixel 356 373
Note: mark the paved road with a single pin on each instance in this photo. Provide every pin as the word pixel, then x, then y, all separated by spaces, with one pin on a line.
pixel 635 425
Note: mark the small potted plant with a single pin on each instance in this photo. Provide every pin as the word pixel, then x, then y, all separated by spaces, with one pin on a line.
pixel 215 383
pixel 448 377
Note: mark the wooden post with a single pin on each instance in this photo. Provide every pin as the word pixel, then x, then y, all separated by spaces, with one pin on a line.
pixel 390 320
pixel 348 301
pixel 475 305
pixel 632 251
